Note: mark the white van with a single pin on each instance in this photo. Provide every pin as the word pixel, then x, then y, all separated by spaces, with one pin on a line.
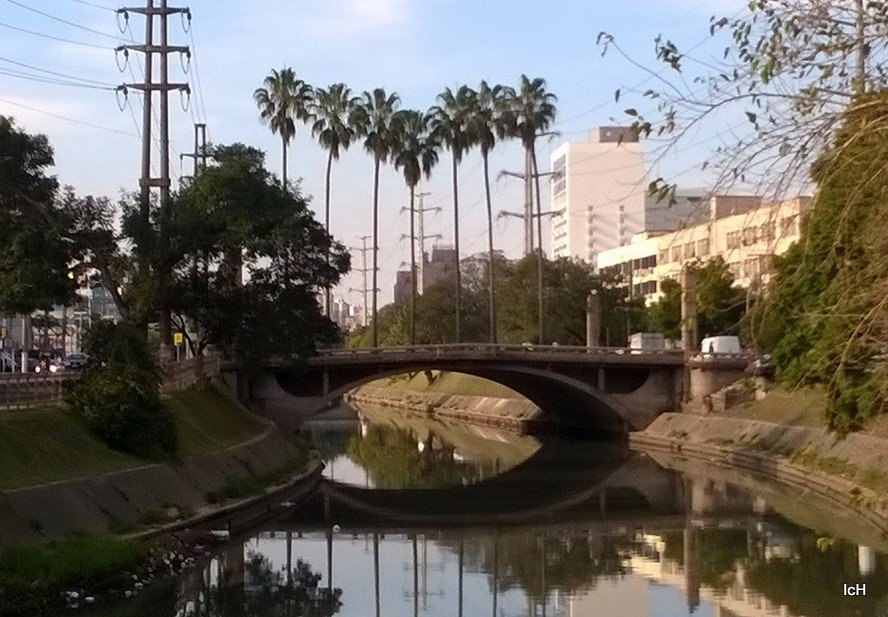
pixel 720 344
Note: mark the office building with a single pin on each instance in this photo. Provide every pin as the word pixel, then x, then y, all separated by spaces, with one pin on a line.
pixel 742 230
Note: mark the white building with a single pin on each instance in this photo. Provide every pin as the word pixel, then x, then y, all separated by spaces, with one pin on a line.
pixel 599 192
pixel 741 230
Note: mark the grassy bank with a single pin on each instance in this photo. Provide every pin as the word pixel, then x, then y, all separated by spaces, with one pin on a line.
pixel 47 444
pixel 32 576
pixel 446 383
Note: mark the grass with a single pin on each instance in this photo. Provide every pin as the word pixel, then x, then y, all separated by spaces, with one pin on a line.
pixel 798 407
pixel 26 570
pixel 447 383
pixel 46 444
pixel 249 484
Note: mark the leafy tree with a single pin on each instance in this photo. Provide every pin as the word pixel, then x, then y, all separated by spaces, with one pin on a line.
pixel 824 317
pixel 33 257
pixel 282 100
pixel 233 218
pixel 117 397
pixel 373 120
pixel 664 315
pixel 720 305
pixel 451 119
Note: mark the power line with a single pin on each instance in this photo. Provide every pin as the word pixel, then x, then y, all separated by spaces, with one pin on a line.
pixel 36 68
pixel 54 38
pixel 63 21
pixel 93 4
pixel 48 80
pixel 68 119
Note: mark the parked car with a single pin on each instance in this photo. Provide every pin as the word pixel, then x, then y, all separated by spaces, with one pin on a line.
pixel 48 364
pixel 76 361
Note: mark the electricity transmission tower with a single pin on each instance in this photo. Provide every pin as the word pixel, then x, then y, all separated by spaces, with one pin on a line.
pixel 200 154
pixel 160 50
pixel 363 249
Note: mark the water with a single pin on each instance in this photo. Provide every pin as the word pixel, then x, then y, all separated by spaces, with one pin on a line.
pixel 421 518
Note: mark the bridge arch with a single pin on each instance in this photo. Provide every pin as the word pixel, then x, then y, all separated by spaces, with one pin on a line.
pixel 564 398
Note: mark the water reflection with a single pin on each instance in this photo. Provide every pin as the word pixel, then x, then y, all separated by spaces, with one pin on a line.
pixel 571 529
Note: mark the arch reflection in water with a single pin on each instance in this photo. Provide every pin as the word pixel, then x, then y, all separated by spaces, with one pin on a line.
pixel 576 529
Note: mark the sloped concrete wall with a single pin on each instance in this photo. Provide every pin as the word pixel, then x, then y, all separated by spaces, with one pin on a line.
pixel 90 504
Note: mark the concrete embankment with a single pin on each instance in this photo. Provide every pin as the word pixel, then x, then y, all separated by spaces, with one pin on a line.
pixel 514 414
pixel 96 504
pixel 850 472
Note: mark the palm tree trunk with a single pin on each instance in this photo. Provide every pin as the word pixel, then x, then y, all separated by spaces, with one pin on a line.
pixel 539 214
pixel 412 265
pixel 284 162
pixel 456 248
pixel 490 275
pixel 328 296
pixel 375 330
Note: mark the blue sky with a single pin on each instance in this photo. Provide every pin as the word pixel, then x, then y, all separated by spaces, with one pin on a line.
pixel 414 47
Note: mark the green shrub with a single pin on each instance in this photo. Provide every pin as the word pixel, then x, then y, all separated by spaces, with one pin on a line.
pixel 117 398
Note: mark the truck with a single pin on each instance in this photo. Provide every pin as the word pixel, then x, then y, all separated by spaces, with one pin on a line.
pixel 720 344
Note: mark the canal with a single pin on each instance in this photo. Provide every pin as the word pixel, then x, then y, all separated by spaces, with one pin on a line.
pixel 418 517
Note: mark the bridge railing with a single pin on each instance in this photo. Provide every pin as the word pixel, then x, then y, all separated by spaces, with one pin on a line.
pixel 494 349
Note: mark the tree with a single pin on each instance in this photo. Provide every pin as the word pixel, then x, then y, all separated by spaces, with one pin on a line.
pixel 282 100
pixel 487 123
pixel 664 315
pixel 33 257
pixel 415 153
pixel 373 120
pixel 330 113
pixel 532 111
pixel 234 216
pixel 824 317
pixel 789 71
pixel 450 120
pixel 721 306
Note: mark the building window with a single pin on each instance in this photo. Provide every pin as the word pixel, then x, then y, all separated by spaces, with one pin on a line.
pixel 664 257
pixel 703 247
pixel 559 183
pixel 676 253
pixel 789 226
pixel 749 236
pixel 689 250
pixel 733 240
pixel 767 231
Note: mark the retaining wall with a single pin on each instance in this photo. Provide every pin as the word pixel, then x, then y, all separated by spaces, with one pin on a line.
pixel 90 504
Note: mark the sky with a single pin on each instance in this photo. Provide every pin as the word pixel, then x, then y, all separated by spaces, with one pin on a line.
pixel 413 47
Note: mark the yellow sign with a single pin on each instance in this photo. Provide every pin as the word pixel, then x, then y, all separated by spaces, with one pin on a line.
pixel 178 338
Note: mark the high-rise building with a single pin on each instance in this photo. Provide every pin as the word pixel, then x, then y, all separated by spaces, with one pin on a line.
pixel 599 195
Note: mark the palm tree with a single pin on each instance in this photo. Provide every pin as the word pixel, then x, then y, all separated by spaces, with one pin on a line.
pixel 282 100
pixel 450 124
pixel 330 113
pixel 416 152
pixel 373 119
pixel 488 122
pixel 532 111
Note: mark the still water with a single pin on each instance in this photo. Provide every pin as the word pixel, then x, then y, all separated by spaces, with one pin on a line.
pixel 425 518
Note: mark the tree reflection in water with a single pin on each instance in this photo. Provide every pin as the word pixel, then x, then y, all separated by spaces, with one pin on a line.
pixel 395 458
pixel 258 590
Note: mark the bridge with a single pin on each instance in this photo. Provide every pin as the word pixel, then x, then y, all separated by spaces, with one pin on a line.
pixel 603 389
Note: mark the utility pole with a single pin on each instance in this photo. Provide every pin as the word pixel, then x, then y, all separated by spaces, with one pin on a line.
pixel 529 217
pixel 363 270
pixel 162 181
pixel 200 149
pixel 422 237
